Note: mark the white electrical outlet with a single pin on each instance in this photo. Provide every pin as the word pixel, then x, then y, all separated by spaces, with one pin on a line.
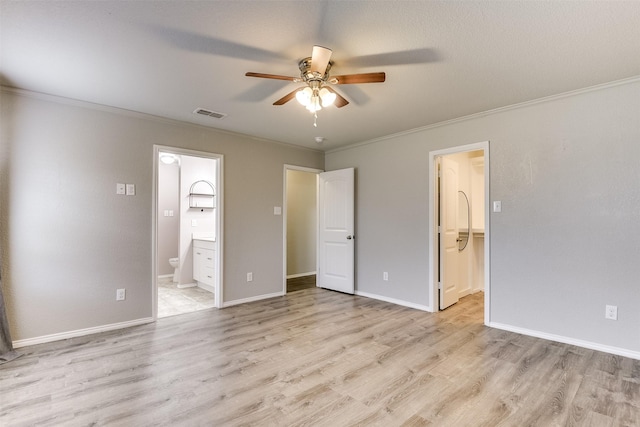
pixel 385 276
pixel 121 294
pixel 611 312
pixel 249 277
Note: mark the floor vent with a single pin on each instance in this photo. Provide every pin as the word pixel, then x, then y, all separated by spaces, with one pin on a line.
pixel 205 112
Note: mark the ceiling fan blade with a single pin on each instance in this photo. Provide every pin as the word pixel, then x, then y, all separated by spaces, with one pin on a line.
pixel 340 101
pixel 320 57
pixel 415 56
pixel 348 79
pixel 270 76
pixel 199 42
pixel 288 97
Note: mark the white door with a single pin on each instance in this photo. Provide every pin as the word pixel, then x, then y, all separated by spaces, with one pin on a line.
pixel 448 233
pixel 336 226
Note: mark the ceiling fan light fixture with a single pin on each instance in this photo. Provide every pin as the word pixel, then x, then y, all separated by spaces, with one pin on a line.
pixel 314 104
pixel 327 97
pixel 304 96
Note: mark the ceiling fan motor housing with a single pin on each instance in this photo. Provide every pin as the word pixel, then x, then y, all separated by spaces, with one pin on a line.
pixel 308 76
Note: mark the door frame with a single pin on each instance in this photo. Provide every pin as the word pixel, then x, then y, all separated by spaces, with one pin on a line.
pixel 434 249
pixel 219 212
pixel 288 167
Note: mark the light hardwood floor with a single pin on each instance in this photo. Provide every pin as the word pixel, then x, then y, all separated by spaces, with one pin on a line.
pixel 318 358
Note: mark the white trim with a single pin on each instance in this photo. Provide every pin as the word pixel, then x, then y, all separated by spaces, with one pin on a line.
pixel 288 167
pixel 251 299
pixel 206 287
pixel 165 276
pixel 464 293
pixel 81 332
pixel 293 276
pixel 491 112
pixel 433 232
pixel 187 285
pixel 219 212
pixel 567 340
pixel 393 301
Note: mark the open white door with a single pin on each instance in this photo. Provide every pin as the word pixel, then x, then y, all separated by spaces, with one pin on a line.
pixel 448 233
pixel 336 226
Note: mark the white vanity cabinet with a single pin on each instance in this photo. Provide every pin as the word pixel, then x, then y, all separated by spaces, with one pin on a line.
pixel 204 263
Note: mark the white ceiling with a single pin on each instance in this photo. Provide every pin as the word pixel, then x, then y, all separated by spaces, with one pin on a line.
pixel 443 60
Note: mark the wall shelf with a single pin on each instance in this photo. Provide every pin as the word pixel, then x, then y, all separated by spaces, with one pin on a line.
pixel 202 195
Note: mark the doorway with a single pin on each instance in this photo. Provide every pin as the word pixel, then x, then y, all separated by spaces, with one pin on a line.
pixel 459 225
pixel 187 232
pixel 300 227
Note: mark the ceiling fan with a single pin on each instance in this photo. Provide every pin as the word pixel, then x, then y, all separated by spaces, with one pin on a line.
pixel 314 71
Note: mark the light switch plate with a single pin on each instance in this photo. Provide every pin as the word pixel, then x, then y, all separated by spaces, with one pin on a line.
pixel 277 210
pixel 131 189
pixel 497 206
pixel 120 189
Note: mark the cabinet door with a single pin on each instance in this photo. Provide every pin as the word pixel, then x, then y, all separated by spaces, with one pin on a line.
pixel 207 267
pixel 197 263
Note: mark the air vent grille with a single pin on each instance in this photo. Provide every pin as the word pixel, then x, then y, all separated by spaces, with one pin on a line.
pixel 205 112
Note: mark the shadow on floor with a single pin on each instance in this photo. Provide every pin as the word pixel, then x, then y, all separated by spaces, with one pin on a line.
pixel 300 283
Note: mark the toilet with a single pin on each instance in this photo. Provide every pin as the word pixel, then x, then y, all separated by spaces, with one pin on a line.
pixel 174 263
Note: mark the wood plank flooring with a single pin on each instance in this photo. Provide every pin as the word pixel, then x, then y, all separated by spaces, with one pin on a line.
pixel 300 283
pixel 318 358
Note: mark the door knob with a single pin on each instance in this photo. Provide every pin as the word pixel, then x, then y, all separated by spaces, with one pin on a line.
pixel 351 237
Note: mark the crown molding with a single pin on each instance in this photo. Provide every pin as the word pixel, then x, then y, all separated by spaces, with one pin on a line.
pixel 136 114
pixel 519 105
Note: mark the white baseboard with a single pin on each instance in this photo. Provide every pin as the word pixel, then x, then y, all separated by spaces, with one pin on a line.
pixel 464 293
pixel 80 332
pixel 252 299
pixel 207 287
pixel 165 276
pixel 393 301
pixel 293 276
pixel 566 340
pixel 187 285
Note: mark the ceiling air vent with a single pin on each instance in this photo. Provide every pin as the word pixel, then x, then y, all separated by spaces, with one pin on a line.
pixel 205 112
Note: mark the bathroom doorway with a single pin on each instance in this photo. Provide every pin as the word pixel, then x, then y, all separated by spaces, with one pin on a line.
pixel 187 247
pixel 300 227
pixel 459 225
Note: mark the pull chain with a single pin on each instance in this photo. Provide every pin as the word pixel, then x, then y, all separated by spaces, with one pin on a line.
pixel 315 119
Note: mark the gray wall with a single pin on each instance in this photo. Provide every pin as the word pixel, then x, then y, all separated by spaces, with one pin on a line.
pixel 302 223
pixel 168 226
pixel 68 241
pixel 567 171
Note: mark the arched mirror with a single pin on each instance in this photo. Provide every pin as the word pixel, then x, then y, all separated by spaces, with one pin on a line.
pixel 463 220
